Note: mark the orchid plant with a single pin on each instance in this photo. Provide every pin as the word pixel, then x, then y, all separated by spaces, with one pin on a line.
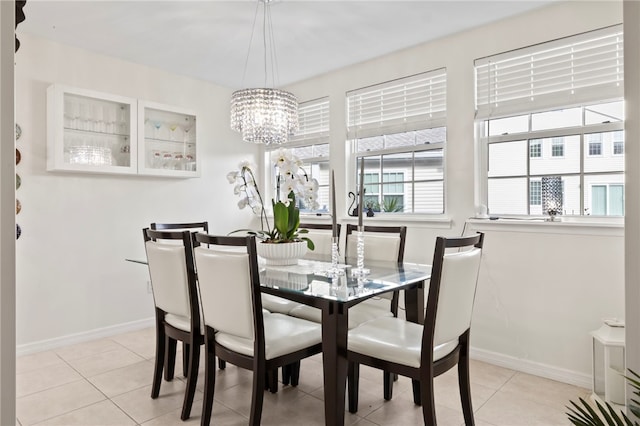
pixel 293 183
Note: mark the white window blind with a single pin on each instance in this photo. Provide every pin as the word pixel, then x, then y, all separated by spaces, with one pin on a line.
pixel 313 117
pixel 410 103
pixel 569 71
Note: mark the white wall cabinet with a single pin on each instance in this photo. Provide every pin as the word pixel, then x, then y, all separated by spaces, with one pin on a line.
pixel 94 132
pixel 167 141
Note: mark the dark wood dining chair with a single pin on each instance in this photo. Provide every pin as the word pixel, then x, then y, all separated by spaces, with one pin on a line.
pixel 423 352
pixel 381 243
pixel 322 236
pixel 236 328
pixel 181 226
pixel 177 310
pixel 170 359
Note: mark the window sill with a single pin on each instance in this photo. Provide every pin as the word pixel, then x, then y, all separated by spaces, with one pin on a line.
pixel 574 226
pixel 413 220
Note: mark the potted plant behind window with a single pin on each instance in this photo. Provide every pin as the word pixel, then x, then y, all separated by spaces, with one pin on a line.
pixel 283 243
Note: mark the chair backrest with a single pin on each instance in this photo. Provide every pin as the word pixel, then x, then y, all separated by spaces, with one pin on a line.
pixel 380 242
pixel 322 236
pixel 181 226
pixel 229 284
pixel 173 277
pixel 454 277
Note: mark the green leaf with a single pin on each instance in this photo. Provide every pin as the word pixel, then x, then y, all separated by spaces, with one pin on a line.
pixel 310 244
pixel 581 417
pixel 280 219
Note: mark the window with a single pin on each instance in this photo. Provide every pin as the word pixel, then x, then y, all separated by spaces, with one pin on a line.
pixel 398 128
pixel 532 126
pixel 557 147
pixel 311 145
pixel 595 144
pixel 535 193
pixel 607 199
pixel 618 143
pixel 535 148
pixel 595 148
pixel 385 196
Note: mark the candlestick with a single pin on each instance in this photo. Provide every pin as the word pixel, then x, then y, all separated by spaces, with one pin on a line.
pixel 334 224
pixel 361 195
pixel 359 270
pixel 335 270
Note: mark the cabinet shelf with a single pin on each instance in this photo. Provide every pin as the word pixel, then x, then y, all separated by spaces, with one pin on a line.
pixel 94 132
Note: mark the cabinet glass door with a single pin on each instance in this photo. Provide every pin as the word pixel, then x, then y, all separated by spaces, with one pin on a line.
pixel 90 132
pixel 168 137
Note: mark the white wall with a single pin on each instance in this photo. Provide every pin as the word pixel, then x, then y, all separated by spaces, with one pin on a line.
pixel 77 229
pixel 542 289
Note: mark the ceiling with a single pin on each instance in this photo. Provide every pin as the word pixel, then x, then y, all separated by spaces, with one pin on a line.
pixel 209 40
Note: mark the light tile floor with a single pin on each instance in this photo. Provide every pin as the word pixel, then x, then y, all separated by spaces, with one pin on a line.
pixel 108 382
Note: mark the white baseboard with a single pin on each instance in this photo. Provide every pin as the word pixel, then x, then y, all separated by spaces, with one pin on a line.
pixel 531 367
pixel 71 339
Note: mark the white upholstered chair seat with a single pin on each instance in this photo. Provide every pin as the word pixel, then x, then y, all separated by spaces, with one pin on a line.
pixel 178 321
pixel 283 335
pixel 394 340
pixel 277 304
pixel 181 323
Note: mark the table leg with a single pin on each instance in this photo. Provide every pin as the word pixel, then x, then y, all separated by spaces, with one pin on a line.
pixel 334 355
pixel 414 303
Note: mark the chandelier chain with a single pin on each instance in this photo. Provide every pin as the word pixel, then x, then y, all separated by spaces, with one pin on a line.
pixel 264 115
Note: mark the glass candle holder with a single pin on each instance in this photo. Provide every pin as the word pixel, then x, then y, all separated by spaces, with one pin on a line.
pixel 335 269
pixel 359 270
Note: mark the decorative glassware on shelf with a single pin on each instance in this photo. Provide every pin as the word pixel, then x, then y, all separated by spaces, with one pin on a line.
pixel 91 136
pixel 168 141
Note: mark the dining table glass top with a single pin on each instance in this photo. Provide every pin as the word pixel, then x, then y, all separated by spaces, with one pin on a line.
pixel 315 278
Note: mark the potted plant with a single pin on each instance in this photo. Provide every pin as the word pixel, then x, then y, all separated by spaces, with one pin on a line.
pixel 283 242
pixel 584 414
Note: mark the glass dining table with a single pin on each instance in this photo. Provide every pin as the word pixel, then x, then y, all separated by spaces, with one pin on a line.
pixel 314 283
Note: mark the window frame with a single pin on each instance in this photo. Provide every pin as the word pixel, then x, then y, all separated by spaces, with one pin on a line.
pixel 587 71
pixel 581 131
pixel 423 107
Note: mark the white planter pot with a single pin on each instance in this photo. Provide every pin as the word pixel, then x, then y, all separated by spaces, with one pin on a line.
pixel 283 253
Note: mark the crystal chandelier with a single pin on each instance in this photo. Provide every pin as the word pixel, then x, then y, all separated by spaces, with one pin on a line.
pixel 264 115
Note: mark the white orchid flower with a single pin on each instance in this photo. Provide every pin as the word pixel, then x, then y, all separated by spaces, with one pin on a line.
pixel 311 185
pixel 232 176
pixel 246 164
pixel 242 203
pixel 238 189
pixel 281 158
pixel 288 186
